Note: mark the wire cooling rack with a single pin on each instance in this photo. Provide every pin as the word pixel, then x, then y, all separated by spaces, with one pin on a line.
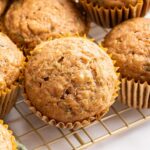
pixel 36 135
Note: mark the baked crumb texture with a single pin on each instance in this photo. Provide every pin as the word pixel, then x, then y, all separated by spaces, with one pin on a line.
pixel 11 62
pixel 114 3
pixel 29 22
pixel 129 44
pixel 70 79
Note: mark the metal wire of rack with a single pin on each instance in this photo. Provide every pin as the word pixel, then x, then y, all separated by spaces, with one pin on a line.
pixel 36 135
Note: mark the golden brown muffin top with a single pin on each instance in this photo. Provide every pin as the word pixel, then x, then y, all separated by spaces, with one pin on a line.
pixel 31 21
pixel 3 4
pixel 115 3
pixel 5 139
pixel 11 61
pixel 70 79
pixel 129 44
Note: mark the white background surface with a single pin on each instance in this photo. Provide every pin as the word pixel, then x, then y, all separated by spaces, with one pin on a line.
pixel 137 138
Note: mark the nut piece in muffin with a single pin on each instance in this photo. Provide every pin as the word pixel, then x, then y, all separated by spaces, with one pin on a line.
pixel 29 22
pixel 7 141
pixel 11 62
pixel 129 44
pixel 70 79
pixel 3 4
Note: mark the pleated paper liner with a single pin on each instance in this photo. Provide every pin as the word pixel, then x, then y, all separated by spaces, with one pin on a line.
pixel 109 17
pixel 70 125
pixel 146 7
pixel 13 141
pixel 135 94
pixel 8 99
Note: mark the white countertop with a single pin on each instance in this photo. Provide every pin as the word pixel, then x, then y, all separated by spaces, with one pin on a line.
pixel 137 138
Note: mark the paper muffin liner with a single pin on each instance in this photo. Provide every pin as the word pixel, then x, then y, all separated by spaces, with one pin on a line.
pixel 8 99
pixel 13 141
pixel 76 124
pixel 146 7
pixel 135 94
pixel 8 96
pixel 109 17
pixel 70 125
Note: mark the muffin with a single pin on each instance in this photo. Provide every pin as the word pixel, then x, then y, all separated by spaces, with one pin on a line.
pixel 31 21
pixel 3 4
pixel 7 141
pixel 109 13
pixel 70 82
pixel 129 44
pixel 11 64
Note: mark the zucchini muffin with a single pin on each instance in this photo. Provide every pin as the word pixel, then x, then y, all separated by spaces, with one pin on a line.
pixel 70 80
pixel 3 4
pixel 11 64
pixel 29 22
pixel 7 141
pixel 129 44
pixel 109 13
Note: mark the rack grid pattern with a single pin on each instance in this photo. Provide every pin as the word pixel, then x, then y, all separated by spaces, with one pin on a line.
pixel 36 135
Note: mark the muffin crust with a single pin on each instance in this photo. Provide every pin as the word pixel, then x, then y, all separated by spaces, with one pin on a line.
pixel 70 79
pixel 5 139
pixel 129 44
pixel 115 3
pixel 31 21
pixel 11 62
